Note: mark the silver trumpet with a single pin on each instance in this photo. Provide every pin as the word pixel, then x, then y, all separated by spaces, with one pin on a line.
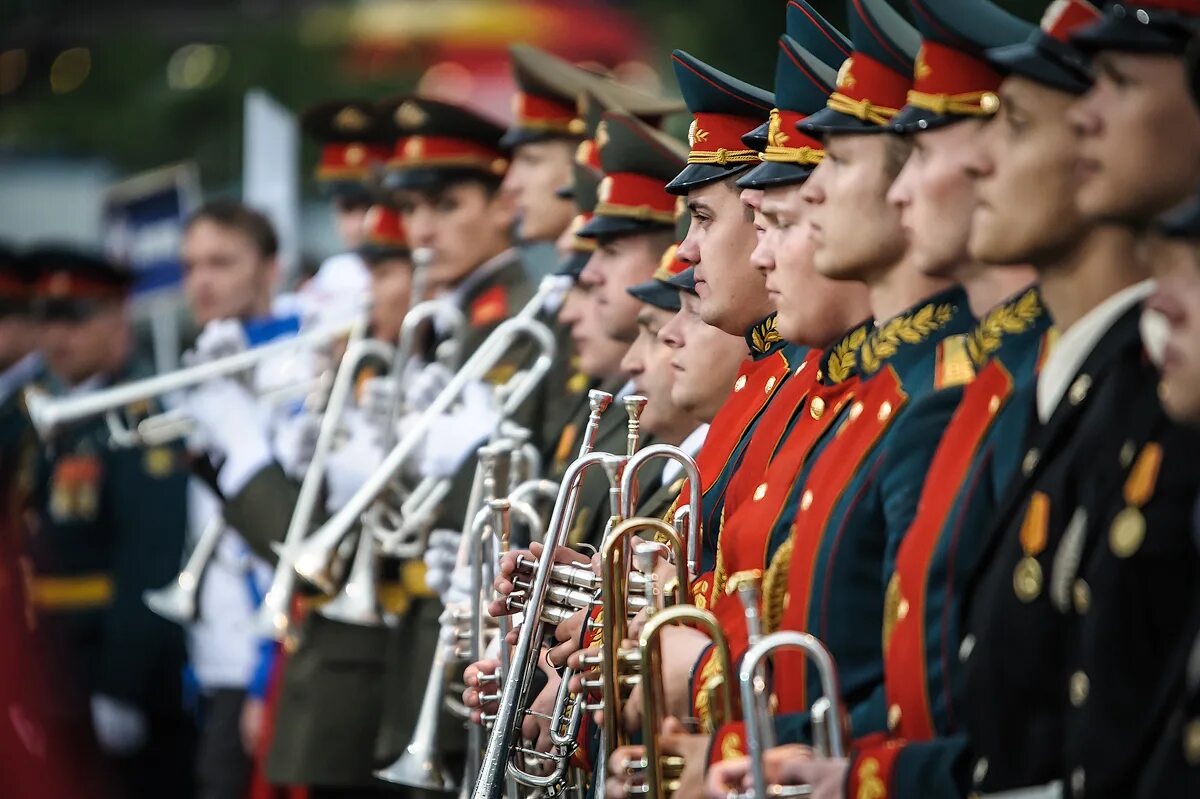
pixel 420 765
pixel 684 517
pixel 177 601
pixel 829 718
pixel 50 414
pixel 311 558
pixel 274 611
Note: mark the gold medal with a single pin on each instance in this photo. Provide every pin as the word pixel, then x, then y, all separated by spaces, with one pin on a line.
pixel 1127 532
pixel 1027 579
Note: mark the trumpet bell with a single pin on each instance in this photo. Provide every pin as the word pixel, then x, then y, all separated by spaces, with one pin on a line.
pixel 418 767
pixel 175 602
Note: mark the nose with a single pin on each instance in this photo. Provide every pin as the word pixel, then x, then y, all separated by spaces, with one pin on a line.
pixel 671 334
pixel 1083 116
pixel 763 257
pixel 900 194
pixel 689 248
pixel 422 231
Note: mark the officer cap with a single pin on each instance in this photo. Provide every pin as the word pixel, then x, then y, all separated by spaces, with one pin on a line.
pixel 802 87
pixel 73 284
pixel 584 183
pixel 951 78
pixel 439 143
pixel 1146 26
pixel 638 163
pixel 353 140
pixel 384 235
pixel 873 83
pixel 723 109
pixel 16 282
pixel 1048 56
pixel 1182 222
pixel 547 102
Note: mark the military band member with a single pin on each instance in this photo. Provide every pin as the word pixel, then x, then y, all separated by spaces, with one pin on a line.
pixel 354 144
pixel 19 365
pixel 1098 505
pixel 109 526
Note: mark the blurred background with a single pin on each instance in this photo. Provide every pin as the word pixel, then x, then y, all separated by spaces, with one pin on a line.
pixel 117 115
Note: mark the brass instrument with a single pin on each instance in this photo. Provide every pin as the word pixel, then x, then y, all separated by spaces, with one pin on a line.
pixel 51 414
pixel 829 718
pixel 684 517
pixel 177 600
pixel 312 558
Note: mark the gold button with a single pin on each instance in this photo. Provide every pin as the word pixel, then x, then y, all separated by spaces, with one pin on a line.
pixel 817 408
pixel 1191 742
pixel 806 500
pixel 770 385
pixel 894 714
pixel 1080 685
pixel 740 384
pixel 885 410
pixel 902 610
pixel 1079 389
pixel 820 375
pixel 760 492
pixel 855 410
pixel 989 103
pixel 1030 462
pixel 994 404
pixel 1082 596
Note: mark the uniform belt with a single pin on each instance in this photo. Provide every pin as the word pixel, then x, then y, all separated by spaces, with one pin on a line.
pixel 1051 790
pixel 77 592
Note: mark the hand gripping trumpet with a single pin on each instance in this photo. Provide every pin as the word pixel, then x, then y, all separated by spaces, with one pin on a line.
pixel 51 414
pixel 829 718
pixel 312 557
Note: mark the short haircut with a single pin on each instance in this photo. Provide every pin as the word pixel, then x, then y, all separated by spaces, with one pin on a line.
pixel 899 148
pixel 234 215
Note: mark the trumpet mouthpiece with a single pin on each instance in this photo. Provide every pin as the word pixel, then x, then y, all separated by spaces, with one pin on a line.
pixel 422 256
pixel 598 401
pixel 634 405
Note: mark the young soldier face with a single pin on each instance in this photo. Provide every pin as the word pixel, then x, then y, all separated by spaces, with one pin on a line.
pixel 705 362
pixel 78 349
pixel 617 264
pixel 813 309
pixel 1025 179
pixel 224 274
pixel 856 231
pixel 936 197
pixel 648 363
pixel 1177 298
pixel 464 224
pixel 599 356
pixel 538 170
pixel 1139 138
pixel 718 244
pixel 391 287
pixel 349 215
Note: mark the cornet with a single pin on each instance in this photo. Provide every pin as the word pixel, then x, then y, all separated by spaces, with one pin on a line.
pixel 51 414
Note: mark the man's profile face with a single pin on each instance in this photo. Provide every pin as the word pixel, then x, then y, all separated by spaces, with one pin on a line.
pixel 225 276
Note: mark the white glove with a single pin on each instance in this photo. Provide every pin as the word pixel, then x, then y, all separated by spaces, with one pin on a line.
pixel 296 440
pixel 229 425
pixel 220 338
pixel 454 436
pixel 121 729
pixel 559 286
pixel 352 463
pixel 441 556
pixel 422 387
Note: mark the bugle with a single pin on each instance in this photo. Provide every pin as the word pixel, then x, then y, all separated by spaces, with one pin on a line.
pixel 50 414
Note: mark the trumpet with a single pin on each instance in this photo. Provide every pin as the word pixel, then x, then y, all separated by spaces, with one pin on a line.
pixel 177 601
pixel 49 414
pixel 829 718
pixel 311 558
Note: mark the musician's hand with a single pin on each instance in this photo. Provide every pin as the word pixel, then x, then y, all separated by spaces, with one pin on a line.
pixel 535 727
pixel 568 636
pixel 350 465
pixel 422 388
pixel 795 765
pixel 441 558
pixel 454 436
pixel 681 648
pixel 508 570
pixel 230 426
pixel 471 694
pixel 673 740
pixel 121 728
pixel 220 338
pixel 778 764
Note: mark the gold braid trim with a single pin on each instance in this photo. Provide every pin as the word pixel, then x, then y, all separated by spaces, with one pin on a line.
pixel 1008 319
pixel 642 213
pixel 722 157
pixel 972 104
pixel 883 342
pixel 844 358
pixel 861 109
pixel 805 156
pixel 719 569
pixel 775 584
